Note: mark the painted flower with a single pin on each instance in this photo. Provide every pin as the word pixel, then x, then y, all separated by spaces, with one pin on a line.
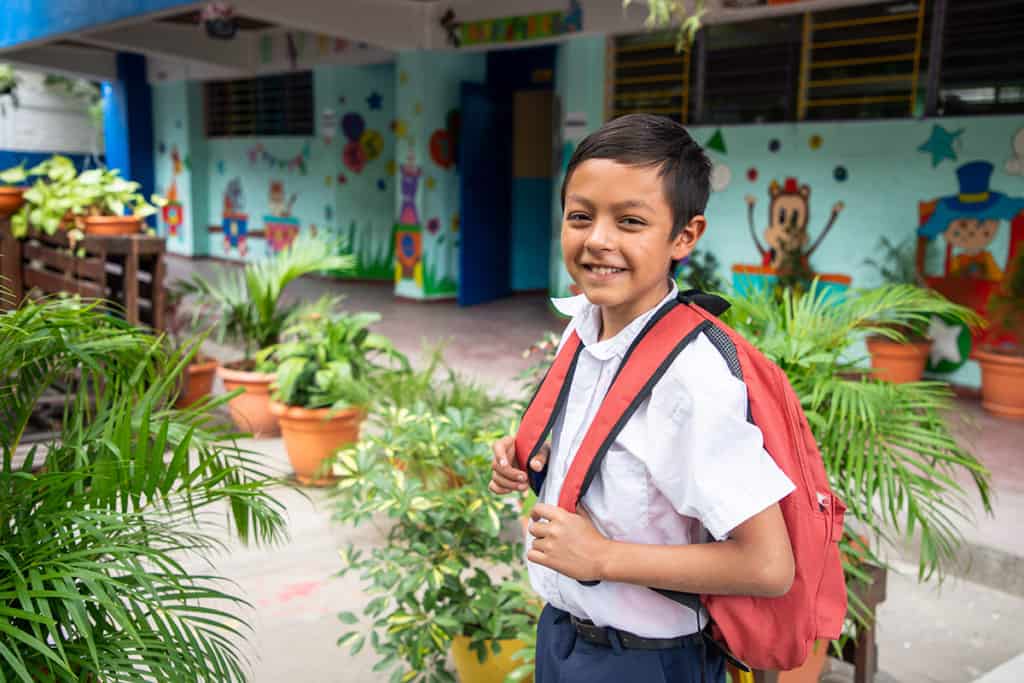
pixel 433 225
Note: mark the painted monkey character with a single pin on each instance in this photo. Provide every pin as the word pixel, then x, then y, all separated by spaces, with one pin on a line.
pixel 786 234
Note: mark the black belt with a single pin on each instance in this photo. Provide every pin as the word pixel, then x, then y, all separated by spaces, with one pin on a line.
pixel 600 635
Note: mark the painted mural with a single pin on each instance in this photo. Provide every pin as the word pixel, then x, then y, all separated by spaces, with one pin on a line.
pixel 948 183
pixel 982 231
pixel 427 201
pixel 337 183
pixel 173 175
pixel 234 220
pixel 786 254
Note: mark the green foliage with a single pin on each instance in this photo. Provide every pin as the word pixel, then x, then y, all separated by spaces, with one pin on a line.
pixel 547 348
pixel 246 304
pixel 15 175
pixel 888 448
pixel 1007 305
pixel 439 388
pixel 8 87
pixel 445 568
pixel 668 13
pixel 84 91
pixel 700 272
pixel 92 581
pixel 330 361
pixel 898 265
pixel 61 195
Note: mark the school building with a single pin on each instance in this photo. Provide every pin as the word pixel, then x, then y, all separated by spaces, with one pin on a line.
pixel 432 136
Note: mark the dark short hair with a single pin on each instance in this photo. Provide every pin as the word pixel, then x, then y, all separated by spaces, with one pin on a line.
pixel 650 140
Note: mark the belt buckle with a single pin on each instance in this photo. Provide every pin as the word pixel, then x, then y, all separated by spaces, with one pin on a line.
pixel 589 630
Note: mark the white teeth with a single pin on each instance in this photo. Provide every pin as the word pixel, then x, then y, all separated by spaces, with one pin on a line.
pixel 604 271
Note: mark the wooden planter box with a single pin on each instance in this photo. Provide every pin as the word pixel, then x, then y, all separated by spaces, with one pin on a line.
pixel 125 270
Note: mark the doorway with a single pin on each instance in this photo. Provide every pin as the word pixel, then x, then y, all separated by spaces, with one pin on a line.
pixel 506 167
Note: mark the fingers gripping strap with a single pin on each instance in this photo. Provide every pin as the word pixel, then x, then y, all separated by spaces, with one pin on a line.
pixel 543 409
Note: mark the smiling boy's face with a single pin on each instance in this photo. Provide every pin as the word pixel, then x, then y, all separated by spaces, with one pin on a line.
pixel 616 236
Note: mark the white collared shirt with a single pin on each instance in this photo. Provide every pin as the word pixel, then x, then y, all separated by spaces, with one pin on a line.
pixel 687 461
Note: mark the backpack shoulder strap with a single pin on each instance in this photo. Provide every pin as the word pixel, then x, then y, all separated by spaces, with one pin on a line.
pixel 543 408
pixel 664 337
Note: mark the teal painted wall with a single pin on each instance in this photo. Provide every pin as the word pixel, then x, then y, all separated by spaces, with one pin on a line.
pixel 531 212
pixel 172 160
pixel 427 97
pixel 339 183
pixel 579 86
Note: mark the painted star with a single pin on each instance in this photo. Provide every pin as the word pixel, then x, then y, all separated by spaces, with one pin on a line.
pixel 940 144
pixel 945 338
pixel 419 107
pixel 430 183
pixel 374 101
pixel 403 77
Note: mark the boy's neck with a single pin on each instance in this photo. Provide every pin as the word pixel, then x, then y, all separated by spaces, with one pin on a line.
pixel 614 319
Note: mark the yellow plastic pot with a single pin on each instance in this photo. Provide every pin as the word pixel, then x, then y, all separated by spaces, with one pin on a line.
pixel 494 668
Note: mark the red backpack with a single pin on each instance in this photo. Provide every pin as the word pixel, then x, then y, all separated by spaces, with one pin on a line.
pixel 763 633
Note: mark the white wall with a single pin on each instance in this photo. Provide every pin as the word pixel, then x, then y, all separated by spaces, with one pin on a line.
pixel 45 121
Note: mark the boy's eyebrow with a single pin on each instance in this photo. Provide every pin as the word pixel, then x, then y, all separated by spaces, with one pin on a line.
pixel 627 204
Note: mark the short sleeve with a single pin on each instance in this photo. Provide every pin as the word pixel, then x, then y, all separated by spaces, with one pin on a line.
pixel 708 460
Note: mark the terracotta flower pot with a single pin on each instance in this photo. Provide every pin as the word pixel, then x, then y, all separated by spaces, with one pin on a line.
pixel 250 411
pixel 197 381
pixel 311 436
pixel 112 225
pixel 1002 382
pixel 11 200
pixel 898 362
pixel 494 668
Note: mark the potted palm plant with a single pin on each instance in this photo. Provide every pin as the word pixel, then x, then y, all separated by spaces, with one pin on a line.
pixel 325 367
pixel 12 189
pixel 900 354
pixel 245 307
pixel 888 448
pixel 1002 365
pixel 197 377
pixel 95 520
pixel 447 578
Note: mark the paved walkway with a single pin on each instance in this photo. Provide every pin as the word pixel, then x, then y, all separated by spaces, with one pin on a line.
pixel 950 635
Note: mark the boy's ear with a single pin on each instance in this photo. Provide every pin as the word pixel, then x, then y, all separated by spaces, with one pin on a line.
pixel 688 237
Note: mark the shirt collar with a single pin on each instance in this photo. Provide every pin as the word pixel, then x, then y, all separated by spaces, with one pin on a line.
pixel 587 321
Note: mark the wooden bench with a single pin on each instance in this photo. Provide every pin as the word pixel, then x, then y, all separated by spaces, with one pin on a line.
pixel 126 270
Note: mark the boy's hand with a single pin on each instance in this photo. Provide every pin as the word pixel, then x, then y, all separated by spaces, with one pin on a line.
pixel 506 476
pixel 566 542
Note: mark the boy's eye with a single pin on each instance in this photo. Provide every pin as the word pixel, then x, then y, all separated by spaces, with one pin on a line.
pixel 577 216
pixel 633 222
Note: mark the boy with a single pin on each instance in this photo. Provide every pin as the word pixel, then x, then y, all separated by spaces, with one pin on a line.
pixel 686 465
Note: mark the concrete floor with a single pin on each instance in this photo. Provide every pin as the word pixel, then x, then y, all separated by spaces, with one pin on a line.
pixel 949 634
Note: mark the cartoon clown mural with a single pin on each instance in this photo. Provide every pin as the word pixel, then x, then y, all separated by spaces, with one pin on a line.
pixel 234 220
pixel 978 249
pixel 281 226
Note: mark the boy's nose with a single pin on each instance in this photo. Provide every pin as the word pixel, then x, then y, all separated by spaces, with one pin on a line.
pixel 601 236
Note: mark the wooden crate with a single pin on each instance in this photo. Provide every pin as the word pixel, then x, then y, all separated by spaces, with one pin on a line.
pixel 125 270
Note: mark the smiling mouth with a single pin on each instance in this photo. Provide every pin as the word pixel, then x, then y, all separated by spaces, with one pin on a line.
pixel 602 270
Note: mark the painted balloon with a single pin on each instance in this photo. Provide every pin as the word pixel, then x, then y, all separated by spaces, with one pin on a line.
pixel 353 125
pixel 372 143
pixel 354 157
pixel 441 149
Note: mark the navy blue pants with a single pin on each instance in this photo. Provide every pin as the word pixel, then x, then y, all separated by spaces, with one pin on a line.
pixel 564 658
